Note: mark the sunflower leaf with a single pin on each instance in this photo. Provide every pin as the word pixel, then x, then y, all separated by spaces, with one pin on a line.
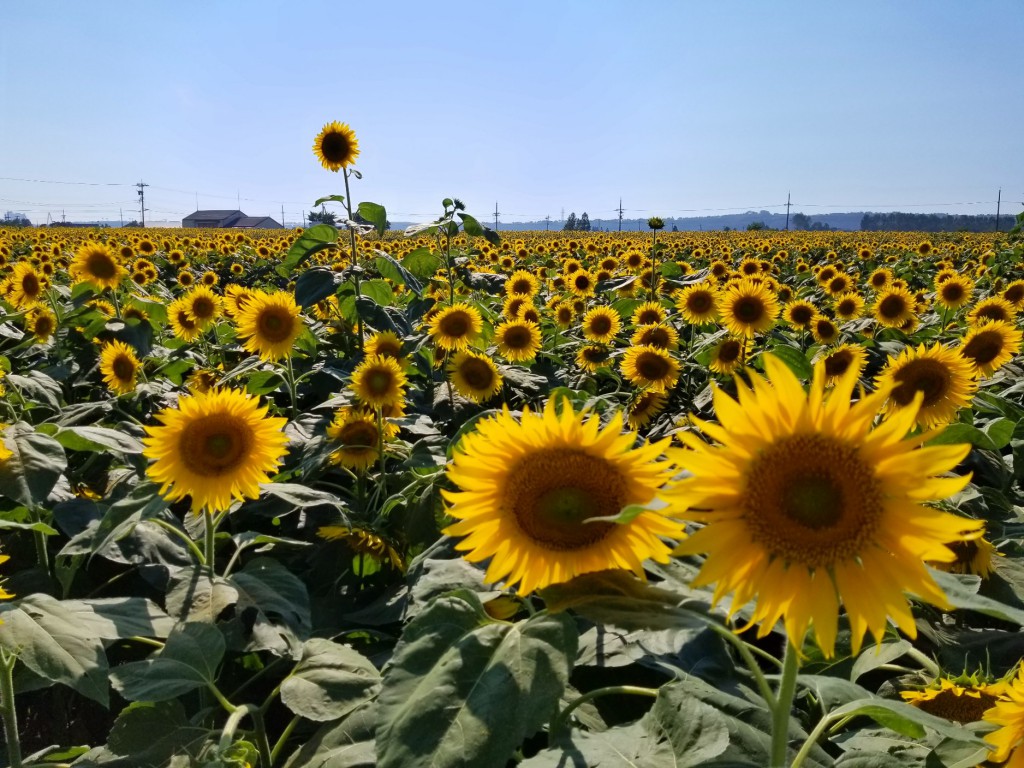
pixel 330 682
pixel 313 240
pixel 375 214
pixel 31 472
pixel 187 661
pixel 903 718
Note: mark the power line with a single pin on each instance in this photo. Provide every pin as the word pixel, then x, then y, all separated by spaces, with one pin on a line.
pixel 76 183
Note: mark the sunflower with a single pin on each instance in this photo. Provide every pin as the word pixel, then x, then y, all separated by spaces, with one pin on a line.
pixel 644 408
pixel 990 346
pixel 697 303
pixel 455 327
pixel 880 278
pixel 357 437
pixel 800 314
pixel 203 306
pixel 824 330
pixel 842 359
pixel 26 286
pixel 804 505
pixel 727 356
pixel 590 357
pixel 649 313
pixel 474 376
pixel 650 367
pixel 1008 713
pixel 894 306
pixel 182 324
pixel 379 381
pixel 582 282
pixel 661 335
pixel 747 308
pixel 518 340
pixel 97 265
pixel 215 447
pixel 943 376
pixel 973 557
pixel 5 452
pixel 119 367
pixel 365 544
pixel 601 324
pixel 954 292
pixel 848 306
pixel 384 343
pixel 42 324
pixel 269 323
pixel 1014 294
pixel 992 308
pixel 533 492
pixel 961 701
pixel 336 146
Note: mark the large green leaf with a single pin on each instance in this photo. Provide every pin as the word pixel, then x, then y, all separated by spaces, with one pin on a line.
pixel 962 592
pixel 111 618
pixel 51 641
pixel 314 239
pixel 315 284
pixel 188 661
pixel 330 682
pixel 392 270
pixel 348 744
pixel 375 214
pixel 465 690
pixel 31 471
pixel 904 719
pixel 96 439
pixel 277 605
pixel 422 263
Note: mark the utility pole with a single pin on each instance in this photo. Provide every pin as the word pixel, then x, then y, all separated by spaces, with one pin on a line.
pixel 620 214
pixel 787 211
pixel 142 200
pixel 282 214
pixel 999 201
pixel 495 216
pixel 197 201
pixel 63 218
pixel 121 211
pixel 547 222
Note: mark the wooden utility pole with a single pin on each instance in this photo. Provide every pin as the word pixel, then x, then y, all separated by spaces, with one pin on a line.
pixel 787 211
pixel 495 216
pixel 999 201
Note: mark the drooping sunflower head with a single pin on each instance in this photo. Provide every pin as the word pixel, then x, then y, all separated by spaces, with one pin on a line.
pixel 371 549
pixel 805 505
pixel 645 407
pixel 960 701
pixel 336 146
pixel 974 557
pixel 990 346
pixel 650 368
pixel 536 496
pixel 216 447
pixel 474 376
pixel 379 381
pixel 119 367
pixel 697 303
pixel 601 324
pixel 455 327
pixel 518 340
pixel 590 357
pixel 98 265
pixel 269 324
pixel 942 376
pixel 747 308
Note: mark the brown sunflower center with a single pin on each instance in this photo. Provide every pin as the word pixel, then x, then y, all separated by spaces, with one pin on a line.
pixel 729 351
pixel 185 321
pixel 359 434
pixel 203 307
pixel 838 363
pixel 801 314
pixel 984 347
pixel 215 445
pixel 522 286
pixel 892 306
pixel 455 324
pixel 43 326
pixel 922 375
pixel 1014 294
pixel 812 499
pixel 652 366
pixel 30 285
pixel 846 307
pixel 477 374
pixel 517 337
pixel 962 708
pixel 335 147
pixel 595 354
pixel 100 266
pixel 551 492
pixel 991 312
pixel 952 292
pixel 275 324
pixel 825 329
pixel 699 302
pixel 123 368
pixel 649 317
pixel 600 325
pixel 748 309
pixel 657 336
pixel 378 381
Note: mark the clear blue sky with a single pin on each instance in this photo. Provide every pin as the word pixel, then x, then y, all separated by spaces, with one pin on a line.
pixel 538 106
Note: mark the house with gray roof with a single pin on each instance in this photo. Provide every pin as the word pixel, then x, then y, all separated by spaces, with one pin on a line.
pixel 229 220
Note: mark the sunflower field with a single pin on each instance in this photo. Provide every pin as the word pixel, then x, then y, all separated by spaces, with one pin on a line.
pixel 347 497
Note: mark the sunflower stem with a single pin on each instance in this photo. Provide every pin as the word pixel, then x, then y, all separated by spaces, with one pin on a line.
pixel 208 545
pixel 561 722
pixel 200 557
pixel 783 706
pixel 7 709
pixel 355 258
pixel 812 739
pixel 930 666
pixel 283 739
pixel 292 388
pixel 42 555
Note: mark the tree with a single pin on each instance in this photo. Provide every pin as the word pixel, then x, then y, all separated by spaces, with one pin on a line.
pixel 584 223
pixel 801 221
pixel 756 225
pixel 323 216
pixel 570 223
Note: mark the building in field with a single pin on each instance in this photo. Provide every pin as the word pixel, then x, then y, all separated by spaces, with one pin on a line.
pixel 229 220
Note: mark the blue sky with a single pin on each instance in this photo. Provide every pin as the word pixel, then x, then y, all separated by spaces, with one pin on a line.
pixel 674 106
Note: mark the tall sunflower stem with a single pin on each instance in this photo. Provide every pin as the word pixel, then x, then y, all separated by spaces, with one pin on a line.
pixel 812 739
pixel 208 544
pixel 8 710
pixel 355 257
pixel 743 649
pixel 783 705
pixel 199 555
pixel 292 390
pixel 561 722
pixel 42 554
pixel 383 480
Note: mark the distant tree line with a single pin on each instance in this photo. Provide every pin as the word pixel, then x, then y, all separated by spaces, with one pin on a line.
pixel 931 222
pixel 582 224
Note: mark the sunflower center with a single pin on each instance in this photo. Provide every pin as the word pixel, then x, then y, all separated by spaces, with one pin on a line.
pixel 359 435
pixel 123 368
pixel 729 351
pixel 517 337
pixel 846 307
pixel 748 309
pixel 656 337
pixel 335 147
pixel 522 286
pixel 203 308
pixel 892 306
pixel 379 382
pixel 984 348
pixel 215 445
pixel 922 375
pixel 952 292
pixel 812 499
pixel 30 285
pixel 477 374
pixel 959 707
pixel 992 312
pixel 275 326
pixel 699 303
pixel 1014 294
pixel 652 366
pixel 649 317
pixel 600 325
pixel 801 314
pixel 101 266
pixel 837 363
pixel 455 324
pixel 552 492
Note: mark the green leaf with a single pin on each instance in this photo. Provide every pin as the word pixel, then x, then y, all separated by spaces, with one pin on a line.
pixel 377 290
pixel 1000 432
pixel 903 718
pixel 330 199
pixel 315 284
pixel 263 382
pixel 391 269
pixel 422 263
pixel 958 433
pixel 795 360
pixel 10 525
pixel 471 225
pixel 313 240
pixel 330 682
pixel 111 618
pixel 464 690
pixel 348 744
pixel 376 215
pixel 188 661
pixel 36 463
pixel 279 604
pixel 49 640
pixel 962 591
pixel 883 654
pixel 96 439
